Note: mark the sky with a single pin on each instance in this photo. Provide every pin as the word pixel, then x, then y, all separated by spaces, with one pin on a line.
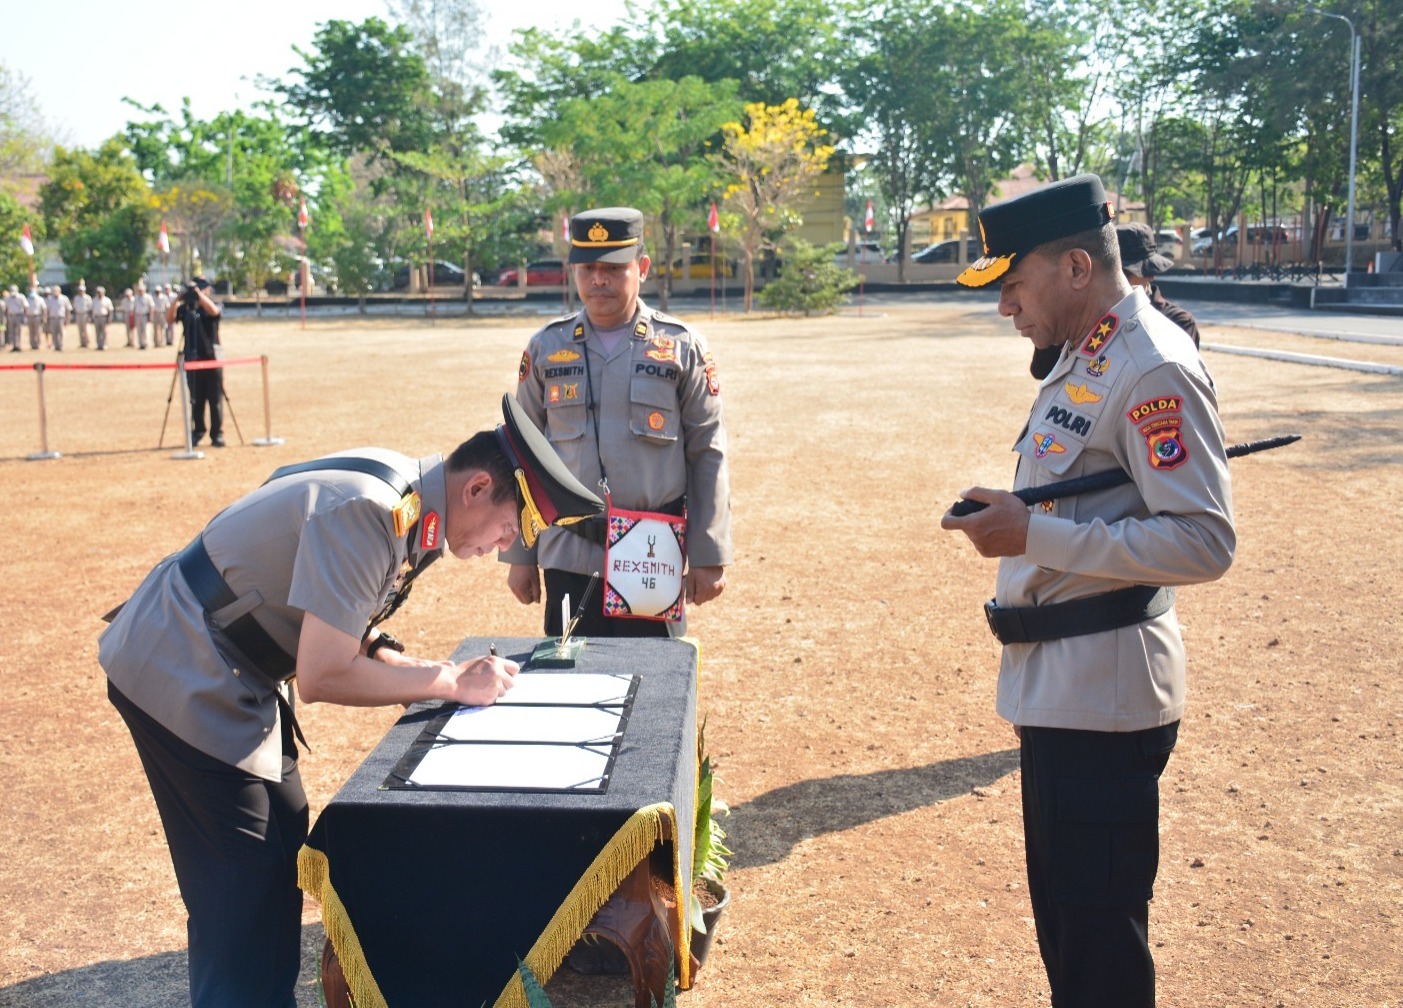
pixel 83 57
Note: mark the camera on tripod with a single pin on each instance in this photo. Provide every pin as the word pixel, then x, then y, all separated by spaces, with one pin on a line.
pixel 191 294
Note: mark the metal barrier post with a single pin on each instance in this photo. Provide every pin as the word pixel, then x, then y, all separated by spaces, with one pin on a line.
pixel 43 452
pixel 268 439
pixel 189 452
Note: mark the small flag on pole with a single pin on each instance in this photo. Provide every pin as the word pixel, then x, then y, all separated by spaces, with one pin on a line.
pixel 429 224
pixel 713 219
pixel 869 221
pixel 163 240
pixel 302 214
pixel 565 228
pixel 26 242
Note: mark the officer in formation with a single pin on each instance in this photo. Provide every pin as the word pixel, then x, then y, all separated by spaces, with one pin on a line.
pixel 82 312
pixel 159 303
pixel 143 310
pixel 294 580
pixel 630 399
pixel 15 305
pixel 35 312
pixel 102 314
pixel 57 309
pixel 1092 674
pixel 1141 262
pixel 127 306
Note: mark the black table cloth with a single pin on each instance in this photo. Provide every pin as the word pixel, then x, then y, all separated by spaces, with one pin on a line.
pixel 429 897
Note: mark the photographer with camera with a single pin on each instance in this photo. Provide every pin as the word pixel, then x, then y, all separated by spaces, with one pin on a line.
pixel 199 319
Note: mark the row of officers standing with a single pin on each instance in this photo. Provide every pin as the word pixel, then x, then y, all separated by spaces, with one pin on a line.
pixel 46 314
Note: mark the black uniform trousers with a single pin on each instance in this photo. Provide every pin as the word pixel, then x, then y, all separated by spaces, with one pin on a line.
pixel 593 622
pixel 1091 828
pixel 206 389
pixel 233 840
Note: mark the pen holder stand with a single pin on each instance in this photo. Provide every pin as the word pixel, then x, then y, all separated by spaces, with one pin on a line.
pixel 554 653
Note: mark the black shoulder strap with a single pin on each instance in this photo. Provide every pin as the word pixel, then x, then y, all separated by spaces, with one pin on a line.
pixel 352 463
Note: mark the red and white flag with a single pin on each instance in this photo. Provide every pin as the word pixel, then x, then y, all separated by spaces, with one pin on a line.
pixel 713 219
pixel 302 214
pixel 869 221
pixel 565 228
pixel 26 242
pixel 163 240
pixel 429 224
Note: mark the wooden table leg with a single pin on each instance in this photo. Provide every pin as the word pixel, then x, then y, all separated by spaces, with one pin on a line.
pixel 636 921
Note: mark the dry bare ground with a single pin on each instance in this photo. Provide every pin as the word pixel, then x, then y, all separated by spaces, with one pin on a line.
pixel 847 676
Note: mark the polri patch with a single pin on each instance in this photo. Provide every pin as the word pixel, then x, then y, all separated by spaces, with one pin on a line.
pixel 406 512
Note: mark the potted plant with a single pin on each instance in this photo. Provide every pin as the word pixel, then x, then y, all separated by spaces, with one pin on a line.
pixel 710 856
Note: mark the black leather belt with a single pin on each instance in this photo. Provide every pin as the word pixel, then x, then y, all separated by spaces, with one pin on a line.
pixel 595 528
pixel 1093 614
pixel 247 635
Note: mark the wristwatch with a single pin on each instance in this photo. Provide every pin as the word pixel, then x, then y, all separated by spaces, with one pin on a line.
pixel 383 640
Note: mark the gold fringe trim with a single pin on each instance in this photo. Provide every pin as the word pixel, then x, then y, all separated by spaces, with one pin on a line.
pixel 634 841
pixel 314 876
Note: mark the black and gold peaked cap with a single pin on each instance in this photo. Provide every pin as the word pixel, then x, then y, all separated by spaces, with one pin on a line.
pixel 1015 227
pixel 546 491
pixel 608 234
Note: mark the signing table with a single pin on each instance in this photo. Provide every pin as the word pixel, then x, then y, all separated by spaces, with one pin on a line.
pixel 470 839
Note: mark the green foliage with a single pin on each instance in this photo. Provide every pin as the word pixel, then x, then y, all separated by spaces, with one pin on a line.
pixel 24 140
pixel 810 282
pixel 14 264
pixel 710 855
pixel 362 87
pixel 98 208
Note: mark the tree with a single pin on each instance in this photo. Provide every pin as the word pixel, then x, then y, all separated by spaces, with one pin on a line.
pixel 14 263
pixel 643 144
pixel 888 83
pixel 361 88
pixel 99 209
pixel 448 35
pixel 24 142
pixel 770 161
pixel 810 281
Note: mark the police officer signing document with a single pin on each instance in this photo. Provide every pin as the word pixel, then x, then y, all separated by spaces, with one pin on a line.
pixel 292 580
pixel 1092 675
pixel 631 400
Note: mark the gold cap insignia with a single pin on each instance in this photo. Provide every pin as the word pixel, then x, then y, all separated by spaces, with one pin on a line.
pixel 598 232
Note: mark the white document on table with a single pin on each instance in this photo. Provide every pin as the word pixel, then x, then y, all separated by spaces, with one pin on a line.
pixel 513 767
pixel 499 723
pixel 568 688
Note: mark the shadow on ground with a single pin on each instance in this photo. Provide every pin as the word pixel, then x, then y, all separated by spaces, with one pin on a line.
pixel 158 981
pixel 766 828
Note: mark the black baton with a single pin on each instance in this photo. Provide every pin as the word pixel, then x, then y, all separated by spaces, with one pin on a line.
pixel 1105 480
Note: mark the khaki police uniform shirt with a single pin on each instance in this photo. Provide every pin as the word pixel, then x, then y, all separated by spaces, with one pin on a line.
pixel 1133 395
pixel 655 423
pixel 322 542
pixel 82 306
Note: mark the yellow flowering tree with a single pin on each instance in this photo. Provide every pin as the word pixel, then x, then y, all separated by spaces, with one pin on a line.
pixel 771 161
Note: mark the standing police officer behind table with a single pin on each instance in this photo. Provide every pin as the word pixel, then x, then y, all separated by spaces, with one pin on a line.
pixel 631 400
pixel 1092 674
pixel 199 319
pixel 293 580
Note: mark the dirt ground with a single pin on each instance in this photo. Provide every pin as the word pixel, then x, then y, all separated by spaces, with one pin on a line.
pixel 847 678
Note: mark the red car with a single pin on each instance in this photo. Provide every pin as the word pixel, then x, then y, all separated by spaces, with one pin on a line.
pixel 542 273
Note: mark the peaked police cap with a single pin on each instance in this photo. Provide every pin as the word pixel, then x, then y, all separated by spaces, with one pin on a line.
pixel 609 234
pixel 1015 227
pixel 546 491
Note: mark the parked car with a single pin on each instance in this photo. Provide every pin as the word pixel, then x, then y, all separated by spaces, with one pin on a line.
pixel 540 273
pixel 948 251
pixel 1269 234
pixel 446 274
pixel 862 253
pixel 699 269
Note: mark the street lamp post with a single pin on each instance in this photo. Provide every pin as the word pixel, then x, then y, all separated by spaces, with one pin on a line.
pixel 1353 132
